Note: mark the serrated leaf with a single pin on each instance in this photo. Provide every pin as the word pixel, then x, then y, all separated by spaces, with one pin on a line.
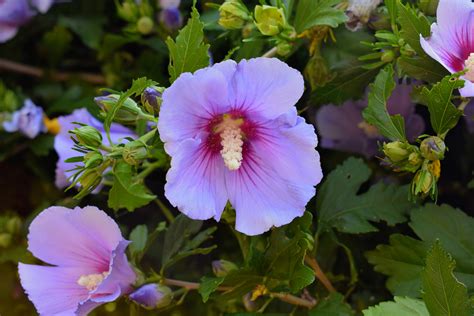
pixel 443 114
pixel 412 26
pixel 443 294
pixel 333 305
pixel 188 53
pixel 138 238
pixel 126 191
pixel 404 258
pixel 208 286
pixel 422 68
pixel 339 206
pixel 405 306
pixel 376 113
pixel 311 13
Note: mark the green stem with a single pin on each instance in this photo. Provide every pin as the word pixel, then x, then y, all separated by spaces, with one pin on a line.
pixel 166 211
pixel 149 169
pixel 464 103
pixel 145 138
pixel 147 117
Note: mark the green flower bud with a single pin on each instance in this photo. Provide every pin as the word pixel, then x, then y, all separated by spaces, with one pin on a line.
pixel 93 159
pixel 88 136
pixel 128 113
pixel 145 25
pixel 433 148
pixel 233 14
pixel 396 151
pixel 222 267
pixel 388 56
pixel 134 152
pixel 403 156
pixel 284 48
pixel 317 71
pixel 269 20
pixel 13 225
pixel 128 11
pixel 425 181
pixel 5 240
pixel 90 179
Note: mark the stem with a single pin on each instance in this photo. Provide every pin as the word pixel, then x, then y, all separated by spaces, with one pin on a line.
pixel 149 169
pixel 271 53
pixel 320 274
pixel 145 138
pixel 32 71
pixel 166 211
pixel 148 117
pixel 464 103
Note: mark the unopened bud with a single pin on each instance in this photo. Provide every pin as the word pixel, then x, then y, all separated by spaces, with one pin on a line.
pixel 128 11
pixel 128 113
pixel 134 152
pixel 5 240
pixel 269 20
pixel 88 136
pixel 222 267
pixel 284 48
pixel 387 56
pixel 433 148
pixel 152 296
pixel 151 99
pixel 233 14
pixel 145 25
pixel 396 151
pixel 93 159
pixel 90 179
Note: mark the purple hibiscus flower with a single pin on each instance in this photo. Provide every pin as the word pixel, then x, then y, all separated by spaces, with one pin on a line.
pixel 88 265
pixel 452 40
pixel 15 13
pixel 170 16
pixel 233 134
pixel 63 143
pixel 343 128
pixel 29 120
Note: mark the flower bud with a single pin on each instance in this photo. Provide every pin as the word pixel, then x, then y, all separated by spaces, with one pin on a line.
pixel 5 240
pixel 134 152
pixel 151 99
pixel 433 148
pixel 269 20
pixel 317 71
pixel 93 159
pixel 396 151
pixel 423 183
pixel 387 56
pixel 145 25
pixel 403 156
pixel 284 48
pixel 128 113
pixel 128 11
pixel 88 136
pixel 222 267
pixel 233 14
pixel 13 225
pixel 90 179
pixel 171 18
pixel 151 296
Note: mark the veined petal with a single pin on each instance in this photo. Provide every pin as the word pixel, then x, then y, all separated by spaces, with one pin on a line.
pixel 53 290
pixel 277 177
pixel 195 182
pixel 70 238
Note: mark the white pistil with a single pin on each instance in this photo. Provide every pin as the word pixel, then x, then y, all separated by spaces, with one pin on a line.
pixel 92 281
pixel 231 152
pixel 469 65
pixel 369 130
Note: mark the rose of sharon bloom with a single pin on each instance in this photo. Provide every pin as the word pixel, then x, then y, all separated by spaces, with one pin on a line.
pixel 452 40
pixel 88 265
pixel 233 134
pixel 343 128
pixel 63 143
pixel 14 13
pixel 29 120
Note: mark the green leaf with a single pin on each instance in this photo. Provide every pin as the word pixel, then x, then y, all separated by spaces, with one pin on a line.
pixel 333 305
pixel 311 13
pixel 443 114
pixel 340 207
pixel 412 25
pixel 404 258
pixel 390 126
pixel 126 191
pixel 138 237
pixel 405 306
pixel 42 144
pixel 89 29
pixel 208 286
pixel 443 294
pixel 188 53
pixel 422 68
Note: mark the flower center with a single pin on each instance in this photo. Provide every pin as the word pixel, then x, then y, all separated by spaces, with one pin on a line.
pixel 469 65
pixel 92 281
pixel 369 130
pixel 231 141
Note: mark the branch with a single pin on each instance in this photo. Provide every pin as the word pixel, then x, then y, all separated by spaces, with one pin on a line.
pixel 32 71
pixel 320 274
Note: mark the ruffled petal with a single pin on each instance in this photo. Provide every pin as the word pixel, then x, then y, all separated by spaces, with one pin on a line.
pixel 195 182
pixel 7 32
pixel 42 5
pixel 266 87
pixel 79 237
pixel 190 103
pixel 468 90
pixel 53 290
pixel 278 175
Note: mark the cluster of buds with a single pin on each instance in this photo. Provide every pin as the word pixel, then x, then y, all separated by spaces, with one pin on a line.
pixel 139 15
pixel 424 161
pixel 129 112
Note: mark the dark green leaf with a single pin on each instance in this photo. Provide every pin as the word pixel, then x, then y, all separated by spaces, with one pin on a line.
pixel 412 25
pixel 188 53
pixel 138 237
pixel 208 286
pixel 443 294
pixel 89 29
pixel 126 191
pixel 405 306
pixel 311 13
pixel 42 144
pixel 390 126
pixel 422 68
pixel 333 305
pixel 340 207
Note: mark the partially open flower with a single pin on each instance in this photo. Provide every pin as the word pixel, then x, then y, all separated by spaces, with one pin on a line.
pixel 451 42
pixel 151 296
pixel 88 266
